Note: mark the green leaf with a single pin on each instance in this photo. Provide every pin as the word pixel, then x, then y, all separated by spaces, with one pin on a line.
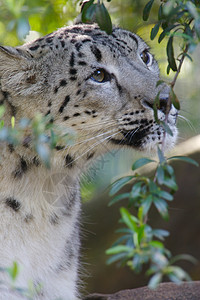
pixel 23 28
pixel 160 233
pixel 147 204
pixel 168 69
pixel 88 11
pixel 170 183
pixel 2 111
pixel 174 99
pixel 154 31
pixel 192 9
pixel 136 190
pixel 128 220
pixel 186 159
pixel 1 124
pixel 118 198
pixel 161 206
pixel 12 121
pixel 156 244
pixel 183 257
pixel 103 18
pixel 155 280
pixel 118 184
pixel 170 54
pixel 166 195
pixel 13 271
pixel 156 105
pixel 115 258
pixel 161 156
pixel 160 175
pixel 141 162
pixel 179 274
pixel 159 82
pixel 147 10
pixel 118 249
pixel 166 127
pixel 44 153
pixel 160 12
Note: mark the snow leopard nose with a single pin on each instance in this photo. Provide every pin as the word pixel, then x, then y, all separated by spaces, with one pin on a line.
pixel 163 104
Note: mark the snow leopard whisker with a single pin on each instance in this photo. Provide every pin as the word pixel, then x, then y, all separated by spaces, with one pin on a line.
pixel 189 123
pixel 96 144
pixel 91 138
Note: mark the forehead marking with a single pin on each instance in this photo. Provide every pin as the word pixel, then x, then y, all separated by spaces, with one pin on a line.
pixel 96 52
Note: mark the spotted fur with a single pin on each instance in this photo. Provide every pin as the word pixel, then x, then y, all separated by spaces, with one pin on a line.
pixel 56 75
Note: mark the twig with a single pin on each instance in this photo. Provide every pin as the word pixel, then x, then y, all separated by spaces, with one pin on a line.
pixel 172 84
pixel 180 65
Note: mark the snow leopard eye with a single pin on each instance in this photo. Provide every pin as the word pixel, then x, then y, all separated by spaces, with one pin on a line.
pixel 101 76
pixel 146 57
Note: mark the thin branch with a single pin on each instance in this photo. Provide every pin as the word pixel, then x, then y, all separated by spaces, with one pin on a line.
pixel 180 66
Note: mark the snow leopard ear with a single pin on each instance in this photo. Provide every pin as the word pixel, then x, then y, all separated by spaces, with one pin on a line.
pixel 17 71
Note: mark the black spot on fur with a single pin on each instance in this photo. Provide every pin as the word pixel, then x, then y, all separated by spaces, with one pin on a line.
pixel 87 112
pixel 13 203
pixel 31 79
pixel 76 105
pixel 84 94
pixel 49 104
pixel 23 167
pixel 73 78
pixel 36 161
pixel 59 147
pixel 28 218
pixel 11 148
pixel 49 40
pixel 69 161
pixel 90 155
pixel 78 92
pixel 33 48
pixel 133 38
pixel 67 98
pixel 78 46
pixel 63 82
pixel 71 62
pixel 82 63
pixel 26 142
pixel 80 54
pixel 86 41
pixel 73 71
pixel 76 114
pixel 73 41
pixel 132 123
pixel 62 43
pixel 96 52
pixel 54 219
pixel 56 90
pixel 65 118
pixel 48 112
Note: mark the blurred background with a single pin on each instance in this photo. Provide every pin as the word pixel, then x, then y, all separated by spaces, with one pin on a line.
pixel 25 20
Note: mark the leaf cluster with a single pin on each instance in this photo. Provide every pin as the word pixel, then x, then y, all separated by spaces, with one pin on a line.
pixel 140 244
pixel 176 18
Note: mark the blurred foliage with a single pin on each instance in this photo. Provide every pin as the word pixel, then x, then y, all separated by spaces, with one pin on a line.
pixel 17 17
pixel 40 133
